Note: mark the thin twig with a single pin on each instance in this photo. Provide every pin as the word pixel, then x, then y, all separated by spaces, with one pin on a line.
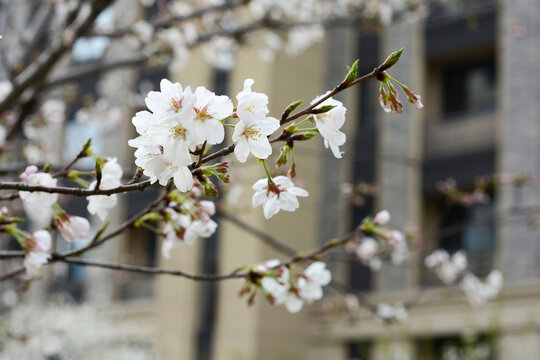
pixel 263 236
pixel 12 273
pixel 151 270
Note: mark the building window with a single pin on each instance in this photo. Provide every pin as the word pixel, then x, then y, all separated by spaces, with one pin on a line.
pixel 468 87
pixel 360 350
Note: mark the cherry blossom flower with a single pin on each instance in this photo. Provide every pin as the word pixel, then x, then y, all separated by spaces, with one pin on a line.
pixel 252 131
pixel 329 124
pixel 37 204
pixel 72 227
pixel 311 281
pixel 198 229
pixel 367 250
pixel 204 116
pixel 279 194
pixel 161 162
pixel 275 287
pixel 37 248
pixel 170 101
pixel 111 175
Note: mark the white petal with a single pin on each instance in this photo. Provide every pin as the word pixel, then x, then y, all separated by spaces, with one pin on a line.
pixel 293 303
pixel 183 179
pixel 241 150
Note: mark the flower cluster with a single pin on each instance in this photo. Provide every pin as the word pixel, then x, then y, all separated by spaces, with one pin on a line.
pixel 450 269
pixel 182 121
pixel 388 97
pixel 111 176
pixel 280 288
pixel 37 247
pixel 479 292
pixel 252 131
pixel 395 312
pixel 187 222
pixel 484 187
pixel 358 192
pixel 375 242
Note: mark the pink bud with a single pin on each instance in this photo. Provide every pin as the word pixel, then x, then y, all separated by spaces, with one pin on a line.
pixel 29 171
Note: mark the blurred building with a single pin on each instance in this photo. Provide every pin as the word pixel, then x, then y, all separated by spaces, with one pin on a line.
pixel 476 67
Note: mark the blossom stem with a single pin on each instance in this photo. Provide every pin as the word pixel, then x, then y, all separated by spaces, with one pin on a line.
pixel 310 129
pixel 229 125
pixel 302 122
pixel 149 227
pixel 397 82
pixel 267 172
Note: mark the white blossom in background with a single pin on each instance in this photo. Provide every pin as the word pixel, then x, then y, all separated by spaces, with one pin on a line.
pixel 280 195
pixel 3 135
pixel 329 124
pixel 143 30
pixel 54 111
pixel 253 128
pixel 5 88
pixel 281 290
pixel 219 52
pixel 390 312
pixel 37 248
pixel 479 292
pixel 301 38
pixel 367 253
pixel 37 204
pixel 272 44
pixel 448 268
pixel 111 178
pixel 176 41
pixel 108 115
pixel 382 218
pixel 192 223
pixel 66 331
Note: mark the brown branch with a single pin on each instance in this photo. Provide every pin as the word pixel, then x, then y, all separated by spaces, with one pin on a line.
pixel 12 273
pixel 44 63
pixel 74 191
pixel 10 254
pixel 151 270
pixel 98 240
pixel 263 236
pixel 172 20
